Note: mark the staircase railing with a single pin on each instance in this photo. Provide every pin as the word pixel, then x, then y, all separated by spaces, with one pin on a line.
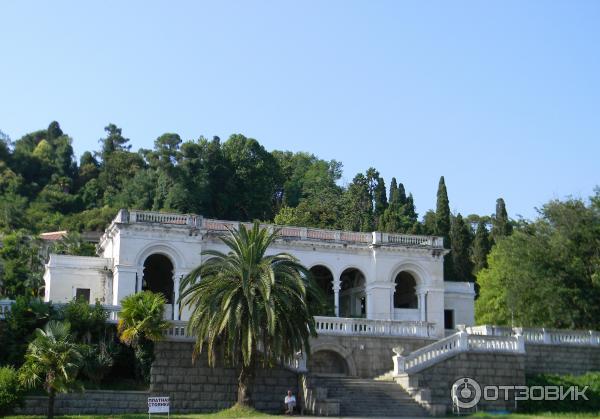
pixel 454 344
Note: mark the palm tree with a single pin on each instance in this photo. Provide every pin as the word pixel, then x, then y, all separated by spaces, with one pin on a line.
pixel 52 360
pixel 253 304
pixel 141 323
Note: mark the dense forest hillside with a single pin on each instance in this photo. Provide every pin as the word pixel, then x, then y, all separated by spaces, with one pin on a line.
pixel 44 188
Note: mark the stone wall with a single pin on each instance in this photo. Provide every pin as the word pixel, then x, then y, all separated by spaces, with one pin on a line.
pixel 366 356
pixel 196 387
pixel 90 402
pixel 561 359
pixel 485 368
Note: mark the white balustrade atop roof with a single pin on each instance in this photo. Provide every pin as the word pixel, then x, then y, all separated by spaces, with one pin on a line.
pixel 285 232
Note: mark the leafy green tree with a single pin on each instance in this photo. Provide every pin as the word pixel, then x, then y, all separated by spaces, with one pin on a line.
pixel 377 192
pixel 11 392
pixel 460 235
pixel 481 247
pixel 16 331
pixel 53 361
pixel 253 304
pixel 21 266
pixel 256 179
pixel 501 225
pixel 357 206
pixel 546 273
pixel 141 323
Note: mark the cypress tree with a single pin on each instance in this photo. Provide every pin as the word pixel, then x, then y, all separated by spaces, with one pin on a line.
pixel 401 194
pixel 393 192
pixel 442 212
pixel 501 226
pixel 442 226
pixel 481 247
pixel 460 243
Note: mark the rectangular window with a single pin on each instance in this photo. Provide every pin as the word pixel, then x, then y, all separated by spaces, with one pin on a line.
pixel 448 319
pixel 82 293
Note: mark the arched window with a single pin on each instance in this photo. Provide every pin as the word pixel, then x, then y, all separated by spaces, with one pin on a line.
pixel 353 299
pixel 405 295
pixel 158 276
pixel 324 280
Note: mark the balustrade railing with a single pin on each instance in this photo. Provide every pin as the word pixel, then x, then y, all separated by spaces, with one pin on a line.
pixel 540 336
pixel 370 327
pixel 299 233
pixel 454 344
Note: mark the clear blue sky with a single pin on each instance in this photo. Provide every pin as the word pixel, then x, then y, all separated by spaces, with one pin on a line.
pixel 502 98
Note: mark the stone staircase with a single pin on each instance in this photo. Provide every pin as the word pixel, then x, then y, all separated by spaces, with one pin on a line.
pixel 369 398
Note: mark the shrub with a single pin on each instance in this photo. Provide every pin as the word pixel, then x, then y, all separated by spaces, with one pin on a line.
pixel 88 324
pixel 11 394
pixel 591 379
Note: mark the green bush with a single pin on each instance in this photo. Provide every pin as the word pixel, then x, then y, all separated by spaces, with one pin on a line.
pixel 26 315
pixel 11 394
pixel 591 379
pixel 88 324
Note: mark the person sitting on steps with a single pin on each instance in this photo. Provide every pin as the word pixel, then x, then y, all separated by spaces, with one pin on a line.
pixel 290 403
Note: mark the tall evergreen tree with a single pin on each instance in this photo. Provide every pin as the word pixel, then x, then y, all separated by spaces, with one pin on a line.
pixel 393 199
pixel 481 247
pixel 460 238
pixel 357 205
pixel 442 226
pixel 401 194
pixel 501 226
pixel 442 212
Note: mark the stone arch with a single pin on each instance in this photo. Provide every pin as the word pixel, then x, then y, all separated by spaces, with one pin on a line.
pixel 323 277
pixel 417 271
pixel 338 350
pixel 353 296
pixel 162 249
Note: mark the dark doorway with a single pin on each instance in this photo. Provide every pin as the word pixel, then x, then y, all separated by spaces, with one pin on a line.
pixel 405 295
pixel 353 301
pixel 158 276
pixel 324 279
pixel 328 363
pixel 448 319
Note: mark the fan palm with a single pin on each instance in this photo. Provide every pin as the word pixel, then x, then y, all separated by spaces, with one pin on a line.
pixel 52 360
pixel 141 322
pixel 253 304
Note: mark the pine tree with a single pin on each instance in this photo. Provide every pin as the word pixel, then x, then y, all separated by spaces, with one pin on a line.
pixel 501 226
pixel 481 247
pixel 460 235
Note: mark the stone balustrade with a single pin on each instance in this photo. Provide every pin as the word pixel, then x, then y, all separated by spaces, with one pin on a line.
pixel 370 327
pixel 454 344
pixel 285 232
pixel 541 336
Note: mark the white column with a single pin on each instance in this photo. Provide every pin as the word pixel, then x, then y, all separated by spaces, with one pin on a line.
pixel 178 275
pixel 123 282
pixel 336 295
pixel 421 303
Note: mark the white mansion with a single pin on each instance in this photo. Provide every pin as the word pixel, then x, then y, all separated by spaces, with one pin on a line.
pixel 394 278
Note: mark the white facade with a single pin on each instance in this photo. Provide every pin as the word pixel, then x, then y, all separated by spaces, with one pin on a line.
pixel 362 268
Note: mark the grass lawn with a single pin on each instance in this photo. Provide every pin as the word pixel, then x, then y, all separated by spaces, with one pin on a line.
pixel 234 412
pixel 537 416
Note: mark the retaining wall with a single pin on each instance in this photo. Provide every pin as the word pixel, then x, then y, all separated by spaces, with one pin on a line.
pixel 90 402
pixel 196 387
pixel 561 359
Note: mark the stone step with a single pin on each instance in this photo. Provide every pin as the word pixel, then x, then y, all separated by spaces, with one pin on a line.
pixel 369 398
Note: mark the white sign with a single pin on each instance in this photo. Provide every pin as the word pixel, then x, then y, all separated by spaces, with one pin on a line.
pixel 158 405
